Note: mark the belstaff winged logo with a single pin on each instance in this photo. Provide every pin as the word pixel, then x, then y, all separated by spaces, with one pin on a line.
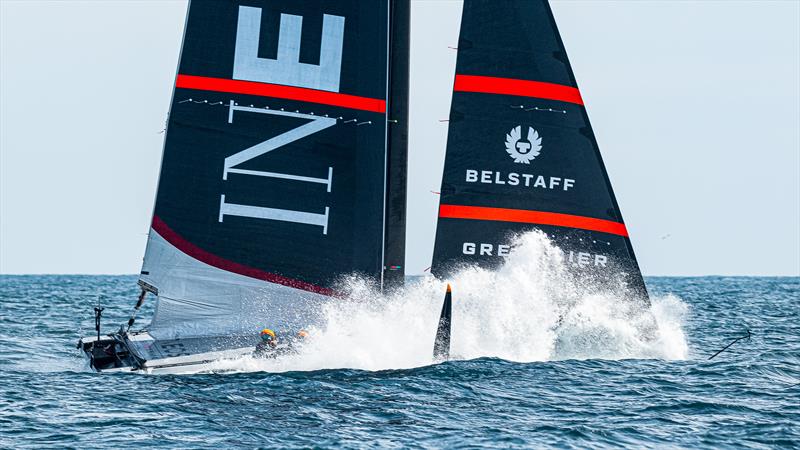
pixel 523 151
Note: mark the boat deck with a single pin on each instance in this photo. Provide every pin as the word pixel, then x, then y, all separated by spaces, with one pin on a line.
pixel 148 348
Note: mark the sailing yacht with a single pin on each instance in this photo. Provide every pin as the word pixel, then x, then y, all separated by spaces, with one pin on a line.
pixel 285 164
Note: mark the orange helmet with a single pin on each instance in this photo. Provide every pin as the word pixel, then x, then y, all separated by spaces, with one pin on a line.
pixel 302 334
pixel 267 334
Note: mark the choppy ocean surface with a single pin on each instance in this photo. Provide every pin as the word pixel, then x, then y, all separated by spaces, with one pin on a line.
pixel 592 384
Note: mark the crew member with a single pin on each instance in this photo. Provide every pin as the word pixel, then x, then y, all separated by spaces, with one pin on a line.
pixel 268 342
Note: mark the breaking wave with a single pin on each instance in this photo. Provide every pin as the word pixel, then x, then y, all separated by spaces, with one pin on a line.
pixel 530 309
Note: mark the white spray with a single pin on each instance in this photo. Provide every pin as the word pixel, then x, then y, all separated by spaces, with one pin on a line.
pixel 530 309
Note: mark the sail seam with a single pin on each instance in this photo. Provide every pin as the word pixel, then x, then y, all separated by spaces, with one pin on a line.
pixel 533 217
pixel 279 91
pixel 521 88
pixel 221 263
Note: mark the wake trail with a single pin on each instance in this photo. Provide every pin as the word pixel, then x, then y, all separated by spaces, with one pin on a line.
pixel 532 308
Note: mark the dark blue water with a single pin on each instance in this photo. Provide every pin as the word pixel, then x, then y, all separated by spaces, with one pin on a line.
pixel 748 396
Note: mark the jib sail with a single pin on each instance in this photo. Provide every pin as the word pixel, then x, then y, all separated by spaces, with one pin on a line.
pixel 521 153
pixel 272 182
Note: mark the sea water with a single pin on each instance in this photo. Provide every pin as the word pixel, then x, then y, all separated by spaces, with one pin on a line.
pixel 539 361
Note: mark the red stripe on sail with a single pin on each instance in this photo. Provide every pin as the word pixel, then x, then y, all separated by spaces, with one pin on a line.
pixel 280 91
pixel 221 263
pixel 522 88
pixel 534 217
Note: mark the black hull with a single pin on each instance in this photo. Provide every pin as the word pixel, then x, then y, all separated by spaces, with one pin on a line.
pixel 108 353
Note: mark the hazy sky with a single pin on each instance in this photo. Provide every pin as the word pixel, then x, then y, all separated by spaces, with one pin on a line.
pixel 696 107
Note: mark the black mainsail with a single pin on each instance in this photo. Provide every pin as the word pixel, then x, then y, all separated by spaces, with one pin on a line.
pixel 521 153
pixel 272 183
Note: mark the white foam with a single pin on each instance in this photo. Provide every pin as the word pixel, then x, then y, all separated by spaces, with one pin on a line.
pixel 530 309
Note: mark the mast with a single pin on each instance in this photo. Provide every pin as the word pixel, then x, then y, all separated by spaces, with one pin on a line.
pixel 397 139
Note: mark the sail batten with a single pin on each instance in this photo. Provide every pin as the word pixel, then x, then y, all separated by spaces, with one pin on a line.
pixel 532 217
pixel 280 91
pixel 516 87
